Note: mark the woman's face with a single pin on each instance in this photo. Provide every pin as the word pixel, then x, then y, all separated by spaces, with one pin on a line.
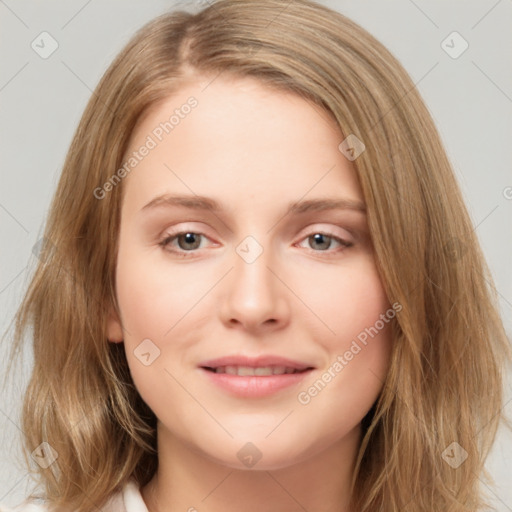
pixel 255 322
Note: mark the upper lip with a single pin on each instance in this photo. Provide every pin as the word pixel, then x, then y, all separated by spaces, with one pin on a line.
pixel 255 362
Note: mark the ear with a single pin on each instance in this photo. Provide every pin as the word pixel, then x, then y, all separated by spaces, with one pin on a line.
pixel 114 328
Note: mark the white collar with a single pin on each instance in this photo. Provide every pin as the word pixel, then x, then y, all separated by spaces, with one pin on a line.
pixel 132 498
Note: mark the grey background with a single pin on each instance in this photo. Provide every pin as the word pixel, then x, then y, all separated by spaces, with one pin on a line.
pixel 41 101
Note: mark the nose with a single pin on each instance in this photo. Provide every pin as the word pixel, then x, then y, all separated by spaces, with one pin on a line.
pixel 255 298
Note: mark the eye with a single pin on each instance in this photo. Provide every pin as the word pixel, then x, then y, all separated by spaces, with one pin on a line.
pixel 187 241
pixel 323 241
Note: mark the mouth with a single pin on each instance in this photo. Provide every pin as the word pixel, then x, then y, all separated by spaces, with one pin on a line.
pixel 259 371
pixel 254 377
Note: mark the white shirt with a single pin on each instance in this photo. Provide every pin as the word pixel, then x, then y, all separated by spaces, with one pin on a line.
pixel 129 499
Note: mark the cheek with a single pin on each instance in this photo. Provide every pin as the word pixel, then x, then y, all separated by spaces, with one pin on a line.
pixel 159 310
pixel 358 344
pixel 152 299
pixel 349 300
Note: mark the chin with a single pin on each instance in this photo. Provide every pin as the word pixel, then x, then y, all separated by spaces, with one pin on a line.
pixel 260 454
pixel 269 463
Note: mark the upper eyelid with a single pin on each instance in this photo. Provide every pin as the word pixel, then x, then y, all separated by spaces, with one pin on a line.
pixel 171 231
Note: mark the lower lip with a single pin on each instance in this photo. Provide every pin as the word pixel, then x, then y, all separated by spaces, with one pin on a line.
pixel 255 386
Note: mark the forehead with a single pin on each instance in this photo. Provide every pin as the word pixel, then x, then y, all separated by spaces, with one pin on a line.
pixel 238 137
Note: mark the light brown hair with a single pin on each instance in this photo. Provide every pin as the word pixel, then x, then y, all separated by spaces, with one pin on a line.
pixel 445 380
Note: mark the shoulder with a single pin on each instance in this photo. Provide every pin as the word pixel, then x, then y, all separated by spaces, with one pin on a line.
pixel 129 499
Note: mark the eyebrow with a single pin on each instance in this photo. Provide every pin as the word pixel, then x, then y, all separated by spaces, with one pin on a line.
pixel 196 202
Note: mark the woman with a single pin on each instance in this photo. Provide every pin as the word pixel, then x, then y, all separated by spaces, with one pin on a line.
pixel 257 370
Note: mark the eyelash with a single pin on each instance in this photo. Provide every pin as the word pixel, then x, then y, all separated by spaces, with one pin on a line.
pixel 165 243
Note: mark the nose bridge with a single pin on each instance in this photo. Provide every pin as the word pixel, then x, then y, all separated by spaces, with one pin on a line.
pixel 252 279
pixel 254 295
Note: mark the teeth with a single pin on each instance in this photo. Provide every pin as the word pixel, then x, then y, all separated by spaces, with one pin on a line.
pixel 244 371
pixel 263 371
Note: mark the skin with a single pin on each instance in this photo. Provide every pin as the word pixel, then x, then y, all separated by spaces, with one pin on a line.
pixel 254 150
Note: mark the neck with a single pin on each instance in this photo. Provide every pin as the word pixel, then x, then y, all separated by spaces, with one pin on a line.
pixel 187 480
